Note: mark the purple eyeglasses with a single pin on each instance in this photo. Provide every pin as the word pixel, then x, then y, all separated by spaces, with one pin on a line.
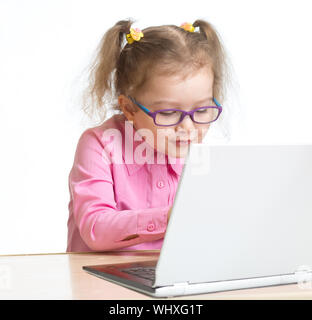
pixel 172 117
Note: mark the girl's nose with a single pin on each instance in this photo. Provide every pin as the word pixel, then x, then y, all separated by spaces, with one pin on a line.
pixel 187 124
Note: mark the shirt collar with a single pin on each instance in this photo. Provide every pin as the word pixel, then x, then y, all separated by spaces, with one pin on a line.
pixel 151 154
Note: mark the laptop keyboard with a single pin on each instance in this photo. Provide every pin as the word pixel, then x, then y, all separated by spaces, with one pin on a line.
pixel 142 272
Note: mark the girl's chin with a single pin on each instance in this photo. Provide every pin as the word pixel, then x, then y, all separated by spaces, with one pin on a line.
pixel 180 153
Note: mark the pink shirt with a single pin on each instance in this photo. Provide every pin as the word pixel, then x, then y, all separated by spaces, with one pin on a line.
pixel 110 200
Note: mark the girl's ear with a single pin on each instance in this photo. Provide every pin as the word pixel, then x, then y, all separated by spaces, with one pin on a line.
pixel 126 106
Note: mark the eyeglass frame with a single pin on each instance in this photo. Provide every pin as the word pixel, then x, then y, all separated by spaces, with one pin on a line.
pixel 184 113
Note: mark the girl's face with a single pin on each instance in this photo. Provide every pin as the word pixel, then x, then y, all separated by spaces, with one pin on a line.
pixel 166 92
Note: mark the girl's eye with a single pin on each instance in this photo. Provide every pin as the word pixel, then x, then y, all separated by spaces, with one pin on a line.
pixel 202 111
pixel 168 113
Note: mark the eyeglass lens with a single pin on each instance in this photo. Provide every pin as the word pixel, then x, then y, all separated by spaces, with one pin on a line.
pixel 201 115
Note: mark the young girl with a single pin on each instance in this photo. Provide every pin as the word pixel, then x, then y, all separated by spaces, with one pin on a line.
pixel 122 189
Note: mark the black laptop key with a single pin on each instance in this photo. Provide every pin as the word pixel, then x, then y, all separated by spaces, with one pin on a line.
pixel 142 272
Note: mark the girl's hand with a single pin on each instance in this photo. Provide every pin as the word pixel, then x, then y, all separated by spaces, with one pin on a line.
pixel 169 214
pixel 133 236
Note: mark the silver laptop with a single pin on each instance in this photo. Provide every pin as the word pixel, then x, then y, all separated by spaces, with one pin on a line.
pixel 241 218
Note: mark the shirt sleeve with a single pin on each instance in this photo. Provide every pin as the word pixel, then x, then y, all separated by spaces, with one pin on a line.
pixel 101 226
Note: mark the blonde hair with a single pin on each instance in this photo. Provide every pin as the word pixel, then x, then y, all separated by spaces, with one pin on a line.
pixel 122 68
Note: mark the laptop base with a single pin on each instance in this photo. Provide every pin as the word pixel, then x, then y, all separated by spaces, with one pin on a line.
pixel 113 274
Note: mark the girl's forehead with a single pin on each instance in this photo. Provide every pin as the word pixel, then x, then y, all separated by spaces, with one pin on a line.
pixel 195 87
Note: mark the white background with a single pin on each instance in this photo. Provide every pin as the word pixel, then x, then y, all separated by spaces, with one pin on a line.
pixel 44 48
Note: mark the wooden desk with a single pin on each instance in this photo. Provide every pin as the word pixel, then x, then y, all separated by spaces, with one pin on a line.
pixel 60 276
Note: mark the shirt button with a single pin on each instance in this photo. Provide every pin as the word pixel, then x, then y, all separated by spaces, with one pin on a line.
pixel 151 227
pixel 160 184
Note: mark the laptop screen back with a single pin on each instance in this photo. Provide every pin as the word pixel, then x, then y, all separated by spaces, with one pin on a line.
pixel 240 211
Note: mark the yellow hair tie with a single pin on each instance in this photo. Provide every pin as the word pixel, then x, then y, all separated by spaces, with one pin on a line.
pixel 135 35
pixel 187 27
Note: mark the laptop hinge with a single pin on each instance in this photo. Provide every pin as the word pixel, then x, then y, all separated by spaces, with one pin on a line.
pixel 180 288
pixel 181 284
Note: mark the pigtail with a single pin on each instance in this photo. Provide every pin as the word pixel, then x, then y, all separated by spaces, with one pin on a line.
pixel 208 30
pixel 101 72
pixel 222 69
pixel 218 55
